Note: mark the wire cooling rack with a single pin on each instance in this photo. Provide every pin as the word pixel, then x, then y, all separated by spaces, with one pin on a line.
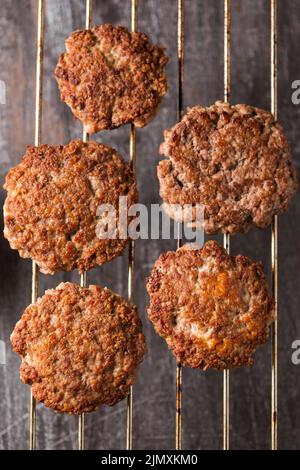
pixel 131 260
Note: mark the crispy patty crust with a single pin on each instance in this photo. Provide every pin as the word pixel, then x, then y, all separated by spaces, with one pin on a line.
pixel 80 347
pixel 110 77
pixel 234 160
pixel 212 309
pixel 50 212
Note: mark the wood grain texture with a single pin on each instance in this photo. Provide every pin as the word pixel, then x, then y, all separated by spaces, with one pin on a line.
pixel 154 394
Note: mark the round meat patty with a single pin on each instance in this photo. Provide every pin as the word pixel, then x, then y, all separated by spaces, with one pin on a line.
pixel 80 347
pixel 110 77
pixel 234 160
pixel 212 309
pixel 52 206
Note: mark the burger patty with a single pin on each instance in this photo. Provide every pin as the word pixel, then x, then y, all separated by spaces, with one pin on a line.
pixel 234 160
pixel 53 199
pixel 80 347
pixel 110 77
pixel 212 309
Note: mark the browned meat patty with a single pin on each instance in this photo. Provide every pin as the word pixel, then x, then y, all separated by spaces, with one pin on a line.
pixel 52 201
pixel 212 309
pixel 110 77
pixel 234 160
pixel 80 347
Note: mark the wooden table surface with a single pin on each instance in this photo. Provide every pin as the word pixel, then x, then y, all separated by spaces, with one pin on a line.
pixel 154 393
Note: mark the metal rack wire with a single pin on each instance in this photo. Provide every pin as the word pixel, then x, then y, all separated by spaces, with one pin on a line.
pixel 226 238
pixel 83 276
pixel 131 257
pixel 274 239
pixel 180 57
pixel 37 141
pixel 131 250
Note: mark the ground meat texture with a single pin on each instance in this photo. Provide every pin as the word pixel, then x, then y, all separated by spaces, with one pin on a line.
pixel 212 309
pixel 80 347
pixel 50 212
pixel 110 77
pixel 234 160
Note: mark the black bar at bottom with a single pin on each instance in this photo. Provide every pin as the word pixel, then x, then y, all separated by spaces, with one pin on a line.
pixel 145 458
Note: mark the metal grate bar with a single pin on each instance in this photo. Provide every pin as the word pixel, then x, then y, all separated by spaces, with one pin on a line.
pixel 83 276
pixel 180 54
pixel 226 238
pixel 274 240
pixel 131 252
pixel 37 141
